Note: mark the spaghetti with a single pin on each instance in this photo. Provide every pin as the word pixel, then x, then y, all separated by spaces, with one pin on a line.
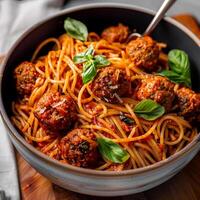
pixel 145 141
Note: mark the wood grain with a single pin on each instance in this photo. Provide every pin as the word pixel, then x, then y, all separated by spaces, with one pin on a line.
pixel 184 186
pixel 190 22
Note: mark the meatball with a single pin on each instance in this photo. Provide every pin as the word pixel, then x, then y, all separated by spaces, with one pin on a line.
pixel 116 33
pixel 79 148
pixel 144 53
pixel 110 84
pixel 56 112
pixel 189 104
pixel 157 88
pixel 25 75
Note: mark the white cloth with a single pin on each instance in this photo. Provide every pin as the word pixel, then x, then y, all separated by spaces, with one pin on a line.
pixel 17 16
pixel 8 169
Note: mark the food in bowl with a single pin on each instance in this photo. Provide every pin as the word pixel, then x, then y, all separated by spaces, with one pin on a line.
pixel 94 101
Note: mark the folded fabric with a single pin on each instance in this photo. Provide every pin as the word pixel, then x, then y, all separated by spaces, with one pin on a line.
pixel 18 16
pixel 8 169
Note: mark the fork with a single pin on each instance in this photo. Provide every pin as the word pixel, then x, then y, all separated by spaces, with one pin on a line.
pixel 157 18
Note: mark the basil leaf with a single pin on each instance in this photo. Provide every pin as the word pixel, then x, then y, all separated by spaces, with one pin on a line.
pixel 79 58
pixel 91 63
pixel 125 119
pixel 174 77
pixel 76 29
pixel 112 151
pixel 179 62
pixel 180 67
pixel 149 109
pixel 84 56
pixel 101 61
pixel 90 51
pixel 89 71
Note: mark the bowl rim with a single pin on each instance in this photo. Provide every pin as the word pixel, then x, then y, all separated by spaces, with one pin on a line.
pixel 13 132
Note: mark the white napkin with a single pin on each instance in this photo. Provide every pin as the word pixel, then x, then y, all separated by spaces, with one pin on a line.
pixel 15 18
pixel 18 16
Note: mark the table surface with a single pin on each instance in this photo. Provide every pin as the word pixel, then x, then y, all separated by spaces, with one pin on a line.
pixel 184 186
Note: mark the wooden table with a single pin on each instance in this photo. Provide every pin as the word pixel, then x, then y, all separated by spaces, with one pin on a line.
pixel 184 186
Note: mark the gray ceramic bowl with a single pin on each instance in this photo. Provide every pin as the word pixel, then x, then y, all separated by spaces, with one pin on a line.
pixel 98 16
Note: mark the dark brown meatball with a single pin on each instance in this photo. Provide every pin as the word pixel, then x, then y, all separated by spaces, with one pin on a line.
pixel 56 112
pixel 189 104
pixel 115 33
pixel 157 88
pixel 111 83
pixel 25 75
pixel 144 53
pixel 79 148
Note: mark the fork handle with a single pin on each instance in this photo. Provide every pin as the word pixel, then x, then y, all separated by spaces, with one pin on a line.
pixel 159 15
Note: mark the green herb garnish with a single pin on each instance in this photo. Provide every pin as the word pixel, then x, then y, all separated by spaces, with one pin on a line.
pixel 112 151
pixel 180 67
pixel 149 109
pixel 76 29
pixel 91 63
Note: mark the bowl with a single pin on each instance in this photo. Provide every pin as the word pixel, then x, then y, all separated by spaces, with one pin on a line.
pixel 87 181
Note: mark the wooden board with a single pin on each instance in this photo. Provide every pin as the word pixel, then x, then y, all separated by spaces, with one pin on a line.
pixel 184 186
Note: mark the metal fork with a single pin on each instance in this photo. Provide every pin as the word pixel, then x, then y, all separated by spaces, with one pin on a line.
pixel 157 18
